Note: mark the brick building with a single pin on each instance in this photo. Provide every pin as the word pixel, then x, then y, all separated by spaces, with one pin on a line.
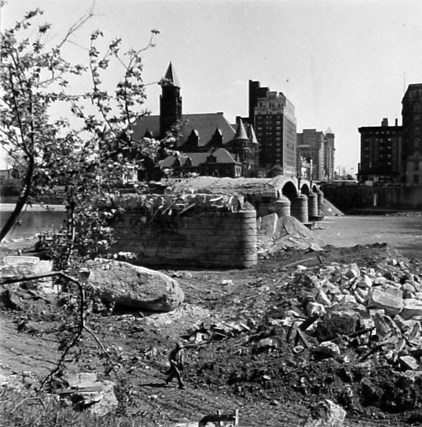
pixel 412 135
pixel 380 153
pixel 317 148
pixel 272 116
pixel 201 133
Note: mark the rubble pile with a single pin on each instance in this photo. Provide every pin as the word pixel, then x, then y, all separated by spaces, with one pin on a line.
pixel 343 332
pixel 178 203
pixel 277 234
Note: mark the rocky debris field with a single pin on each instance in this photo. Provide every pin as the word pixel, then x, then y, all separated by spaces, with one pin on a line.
pixel 339 325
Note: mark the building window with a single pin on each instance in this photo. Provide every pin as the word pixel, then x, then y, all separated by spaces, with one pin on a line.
pixel 415 179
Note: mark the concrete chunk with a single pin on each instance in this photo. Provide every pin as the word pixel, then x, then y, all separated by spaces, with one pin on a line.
pixel 326 414
pixel 393 289
pixel 411 308
pixel 409 363
pixel 391 304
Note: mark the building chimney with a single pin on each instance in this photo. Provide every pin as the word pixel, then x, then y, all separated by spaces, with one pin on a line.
pixel 384 122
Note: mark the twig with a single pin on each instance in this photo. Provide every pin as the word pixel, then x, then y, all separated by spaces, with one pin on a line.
pixel 90 331
pixel 81 325
pixel 26 399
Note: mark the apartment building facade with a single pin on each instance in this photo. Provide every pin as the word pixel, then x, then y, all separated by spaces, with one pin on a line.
pixel 380 153
pixel 412 135
pixel 273 118
pixel 317 148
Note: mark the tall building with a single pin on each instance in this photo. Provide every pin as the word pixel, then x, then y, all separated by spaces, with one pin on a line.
pixel 201 133
pixel 329 155
pixel 412 135
pixel 317 148
pixel 310 145
pixel 380 153
pixel 273 117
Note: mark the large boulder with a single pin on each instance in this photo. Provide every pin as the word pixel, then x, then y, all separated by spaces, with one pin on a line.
pixel 133 286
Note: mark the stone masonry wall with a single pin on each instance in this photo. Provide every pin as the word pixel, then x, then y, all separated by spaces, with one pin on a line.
pixel 199 238
pixel 355 197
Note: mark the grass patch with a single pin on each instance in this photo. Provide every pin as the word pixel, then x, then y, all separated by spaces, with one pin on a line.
pixel 43 410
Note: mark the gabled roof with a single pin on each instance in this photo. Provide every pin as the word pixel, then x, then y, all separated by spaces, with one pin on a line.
pixel 222 157
pixel 204 123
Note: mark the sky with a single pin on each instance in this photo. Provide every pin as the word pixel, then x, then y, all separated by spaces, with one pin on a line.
pixel 342 63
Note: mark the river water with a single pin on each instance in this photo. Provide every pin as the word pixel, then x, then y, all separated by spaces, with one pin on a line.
pixel 32 221
pixel 403 232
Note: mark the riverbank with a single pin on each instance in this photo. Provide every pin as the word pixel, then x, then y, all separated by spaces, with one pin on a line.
pixel 10 206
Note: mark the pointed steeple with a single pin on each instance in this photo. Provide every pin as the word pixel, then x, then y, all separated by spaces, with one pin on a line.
pixel 241 131
pixel 170 77
pixel 252 135
pixel 170 101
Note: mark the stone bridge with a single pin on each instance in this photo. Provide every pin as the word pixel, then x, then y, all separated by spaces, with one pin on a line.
pixel 207 236
pixel 282 195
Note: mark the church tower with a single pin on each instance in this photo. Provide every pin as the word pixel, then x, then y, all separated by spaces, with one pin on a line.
pixel 170 101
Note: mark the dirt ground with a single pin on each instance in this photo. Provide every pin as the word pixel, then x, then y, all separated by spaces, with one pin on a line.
pixel 273 387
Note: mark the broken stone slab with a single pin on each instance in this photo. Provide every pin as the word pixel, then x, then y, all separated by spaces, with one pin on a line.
pixel 87 392
pixel 15 266
pixel 385 325
pixel 391 304
pixel 408 363
pixel 411 308
pixel 133 286
pixel 393 289
pixel 325 414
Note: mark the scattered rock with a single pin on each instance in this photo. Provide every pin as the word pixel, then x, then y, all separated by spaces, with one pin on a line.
pixel 87 392
pixel 326 414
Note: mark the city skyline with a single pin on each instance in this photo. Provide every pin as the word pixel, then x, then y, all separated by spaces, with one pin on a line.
pixel 343 64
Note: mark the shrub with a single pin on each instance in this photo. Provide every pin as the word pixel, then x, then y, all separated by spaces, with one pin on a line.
pixel 11 187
